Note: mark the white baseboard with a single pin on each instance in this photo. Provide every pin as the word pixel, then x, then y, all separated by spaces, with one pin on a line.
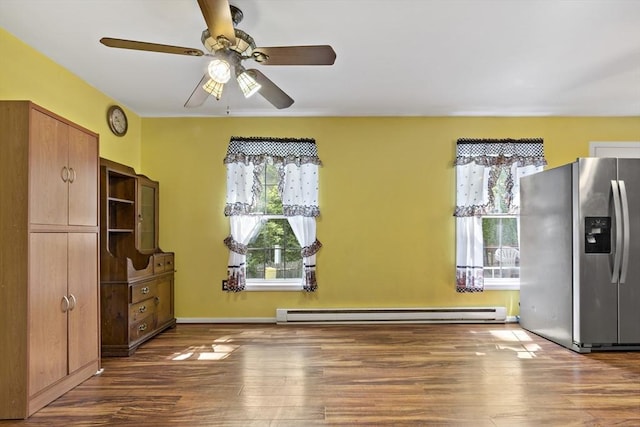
pixel 222 320
pixel 226 320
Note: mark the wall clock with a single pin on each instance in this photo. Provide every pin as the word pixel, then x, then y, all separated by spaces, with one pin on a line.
pixel 117 120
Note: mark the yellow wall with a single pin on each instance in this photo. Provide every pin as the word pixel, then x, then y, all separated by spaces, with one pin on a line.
pixel 386 199
pixel 26 74
pixel 386 191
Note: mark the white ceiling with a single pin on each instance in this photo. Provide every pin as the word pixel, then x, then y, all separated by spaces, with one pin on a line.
pixel 394 57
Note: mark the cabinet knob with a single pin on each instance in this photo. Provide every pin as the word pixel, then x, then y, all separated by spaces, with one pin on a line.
pixel 142 309
pixel 144 290
pixel 72 302
pixel 142 327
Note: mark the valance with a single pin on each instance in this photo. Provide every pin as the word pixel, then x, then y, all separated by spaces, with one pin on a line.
pixel 278 150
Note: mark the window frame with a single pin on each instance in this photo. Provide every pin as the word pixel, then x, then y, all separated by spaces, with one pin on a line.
pixel 254 284
pixel 508 283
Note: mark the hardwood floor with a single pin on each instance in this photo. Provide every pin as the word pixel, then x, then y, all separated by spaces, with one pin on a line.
pixel 269 375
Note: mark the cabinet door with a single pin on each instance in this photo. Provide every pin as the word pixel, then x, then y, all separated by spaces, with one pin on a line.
pixel 83 179
pixel 47 316
pixel 164 300
pixel 48 170
pixel 83 295
pixel 147 233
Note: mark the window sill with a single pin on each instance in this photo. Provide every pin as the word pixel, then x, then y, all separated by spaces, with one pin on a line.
pixel 272 286
pixel 501 285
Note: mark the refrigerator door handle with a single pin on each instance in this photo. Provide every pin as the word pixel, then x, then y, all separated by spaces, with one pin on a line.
pixel 615 274
pixel 625 231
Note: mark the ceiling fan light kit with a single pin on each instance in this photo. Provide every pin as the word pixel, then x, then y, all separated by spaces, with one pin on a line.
pixel 228 47
pixel 247 82
pixel 214 88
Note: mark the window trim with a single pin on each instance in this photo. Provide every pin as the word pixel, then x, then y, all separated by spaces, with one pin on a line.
pixel 254 285
pixel 491 284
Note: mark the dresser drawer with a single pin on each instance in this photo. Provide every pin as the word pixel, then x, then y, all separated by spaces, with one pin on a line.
pixel 162 262
pixel 142 327
pixel 169 262
pixel 143 291
pixel 142 309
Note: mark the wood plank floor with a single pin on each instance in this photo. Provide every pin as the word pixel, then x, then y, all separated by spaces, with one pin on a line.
pixel 269 375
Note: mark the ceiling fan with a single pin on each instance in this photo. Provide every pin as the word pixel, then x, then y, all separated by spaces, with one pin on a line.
pixel 229 47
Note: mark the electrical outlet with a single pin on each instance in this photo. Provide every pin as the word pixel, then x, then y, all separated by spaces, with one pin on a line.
pixel 224 285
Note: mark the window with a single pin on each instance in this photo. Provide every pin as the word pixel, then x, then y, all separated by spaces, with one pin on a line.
pixel 487 210
pixel 272 204
pixel 501 247
pixel 273 254
pixel 500 239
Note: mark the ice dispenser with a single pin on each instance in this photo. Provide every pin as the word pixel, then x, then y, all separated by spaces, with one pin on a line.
pixel 597 235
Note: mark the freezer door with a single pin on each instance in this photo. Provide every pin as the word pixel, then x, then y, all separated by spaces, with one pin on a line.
pixel 595 297
pixel 629 290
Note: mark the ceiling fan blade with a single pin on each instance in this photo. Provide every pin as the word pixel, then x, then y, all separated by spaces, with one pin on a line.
pixel 199 95
pixel 150 47
pixel 217 15
pixel 295 55
pixel 270 91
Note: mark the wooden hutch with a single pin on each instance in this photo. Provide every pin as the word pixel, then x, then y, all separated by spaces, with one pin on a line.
pixel 136 277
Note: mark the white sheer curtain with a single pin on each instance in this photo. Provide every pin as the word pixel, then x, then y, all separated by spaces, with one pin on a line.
pixel 478 164
pixel 243 229
pixel 298 188
pixel 304 228
pixel 299 193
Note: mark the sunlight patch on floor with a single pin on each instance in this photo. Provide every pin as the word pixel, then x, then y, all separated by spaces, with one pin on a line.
pixel 213 352
pixel 518 341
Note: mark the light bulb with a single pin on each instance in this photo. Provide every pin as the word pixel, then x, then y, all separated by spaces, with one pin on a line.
pixel 219 70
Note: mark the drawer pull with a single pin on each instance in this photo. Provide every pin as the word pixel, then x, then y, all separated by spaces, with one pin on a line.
pixel 142 308
pixel 159 264
pixel 144 290
pixel 64 174
pixel 142 327
pixel 64 304
pixel 157 300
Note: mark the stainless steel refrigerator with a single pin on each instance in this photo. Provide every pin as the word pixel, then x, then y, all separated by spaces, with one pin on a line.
pixel 580 254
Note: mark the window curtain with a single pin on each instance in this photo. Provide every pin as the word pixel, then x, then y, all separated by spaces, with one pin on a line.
pixel 243 229
pixel 298 163
pixel 479 163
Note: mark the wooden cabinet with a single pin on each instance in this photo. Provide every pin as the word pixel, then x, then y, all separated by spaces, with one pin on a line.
pixel 49 339
pixel 137 278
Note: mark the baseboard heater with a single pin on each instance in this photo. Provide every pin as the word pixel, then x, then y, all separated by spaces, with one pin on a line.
pixel 392 315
